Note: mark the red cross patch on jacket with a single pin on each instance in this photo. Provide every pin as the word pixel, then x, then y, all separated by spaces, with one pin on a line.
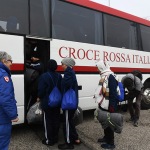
pixel 6 78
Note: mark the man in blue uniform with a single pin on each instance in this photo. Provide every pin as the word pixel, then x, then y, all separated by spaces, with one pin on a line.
pixel 8 108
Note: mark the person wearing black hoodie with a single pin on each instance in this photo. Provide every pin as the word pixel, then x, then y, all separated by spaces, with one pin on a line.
pixel 51 114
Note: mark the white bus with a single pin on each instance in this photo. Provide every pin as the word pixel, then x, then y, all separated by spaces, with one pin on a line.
pixel 81 29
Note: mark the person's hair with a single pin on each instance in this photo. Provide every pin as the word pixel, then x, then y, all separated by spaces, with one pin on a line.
pixel 52 65
pixel 4 55
pixel 128 82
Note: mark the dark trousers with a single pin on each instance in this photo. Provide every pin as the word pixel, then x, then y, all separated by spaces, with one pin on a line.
pixel 69 129
pixel 109 135
pixel 51 124
pixel 134 111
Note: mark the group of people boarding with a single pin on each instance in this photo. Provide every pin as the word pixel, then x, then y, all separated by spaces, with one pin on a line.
pixel 51 117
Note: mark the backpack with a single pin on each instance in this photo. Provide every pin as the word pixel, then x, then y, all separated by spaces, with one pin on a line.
pixel 120 91
pixel 55 95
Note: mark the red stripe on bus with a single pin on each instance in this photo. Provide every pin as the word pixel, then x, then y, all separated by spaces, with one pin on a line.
pixel 17 67
pixel 109 10
pixel 85 69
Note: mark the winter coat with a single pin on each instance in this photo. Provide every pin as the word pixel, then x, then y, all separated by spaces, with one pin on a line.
pixel 8 108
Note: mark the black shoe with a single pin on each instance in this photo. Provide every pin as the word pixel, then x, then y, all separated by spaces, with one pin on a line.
pixel 48 143
pixel 65 146
pixel 101 140
pixel 108 146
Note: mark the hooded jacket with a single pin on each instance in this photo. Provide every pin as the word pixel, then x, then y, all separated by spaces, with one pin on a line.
pixel 8 108
pixel 105 71
pixel 45 86
pixel 69 81
pixel 137 82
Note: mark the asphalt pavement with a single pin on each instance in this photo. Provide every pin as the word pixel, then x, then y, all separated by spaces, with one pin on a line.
pixel 131 138
pixel 29 137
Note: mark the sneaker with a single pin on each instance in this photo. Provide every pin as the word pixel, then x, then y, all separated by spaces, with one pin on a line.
pixel 108 146
pixel 47 143
pixel 101 140
pixel 135 124
pixel 65 146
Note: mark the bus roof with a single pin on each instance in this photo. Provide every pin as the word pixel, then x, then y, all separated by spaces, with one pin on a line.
pixel 109 10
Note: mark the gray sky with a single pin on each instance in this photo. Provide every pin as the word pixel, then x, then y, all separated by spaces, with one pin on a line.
pixel 139 8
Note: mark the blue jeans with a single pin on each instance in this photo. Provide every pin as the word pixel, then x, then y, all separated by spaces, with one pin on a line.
pixel 5 134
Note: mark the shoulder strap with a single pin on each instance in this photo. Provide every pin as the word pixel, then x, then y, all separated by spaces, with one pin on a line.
pixel 52 79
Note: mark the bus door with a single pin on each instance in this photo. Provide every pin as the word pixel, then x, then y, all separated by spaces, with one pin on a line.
pixel 36 58
pixel 14 45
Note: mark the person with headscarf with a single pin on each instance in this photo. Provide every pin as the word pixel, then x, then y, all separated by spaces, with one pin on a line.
pixel 107 88
pixel 8 108
pixel 51 114
pixel 69 81
pixel 134 86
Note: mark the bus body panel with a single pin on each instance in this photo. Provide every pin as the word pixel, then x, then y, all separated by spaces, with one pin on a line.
pixel 88 83
pixel 13 45
pixel 18 81
pixel 86 55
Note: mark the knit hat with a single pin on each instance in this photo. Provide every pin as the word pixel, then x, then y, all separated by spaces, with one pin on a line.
pixel 52 65
pixel 4 55
pixel 68 62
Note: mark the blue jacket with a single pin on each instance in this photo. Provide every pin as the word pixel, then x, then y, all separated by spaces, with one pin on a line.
pixel 70 81
pixel 8 108
pixel 45 86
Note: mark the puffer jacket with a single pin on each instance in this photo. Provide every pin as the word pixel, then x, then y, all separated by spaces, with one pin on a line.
pixel 138 83
pixel 8 108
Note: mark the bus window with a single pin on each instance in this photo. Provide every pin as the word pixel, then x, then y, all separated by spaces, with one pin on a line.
pixel 14 20
pixel 145 36
pixel 39 18
pixel 119 32
pixel 74 23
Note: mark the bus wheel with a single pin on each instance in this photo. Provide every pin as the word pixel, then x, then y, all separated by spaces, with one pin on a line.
pixel 145 103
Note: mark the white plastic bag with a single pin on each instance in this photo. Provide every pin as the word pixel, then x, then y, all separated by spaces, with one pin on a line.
pixel 34 114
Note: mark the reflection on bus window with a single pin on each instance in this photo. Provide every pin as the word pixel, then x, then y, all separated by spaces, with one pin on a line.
pixel 12 24
pixel 119 32
pixel 1 29
pixel 74 23
pixel 40 18
pixel 14 16
pixel 145 36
